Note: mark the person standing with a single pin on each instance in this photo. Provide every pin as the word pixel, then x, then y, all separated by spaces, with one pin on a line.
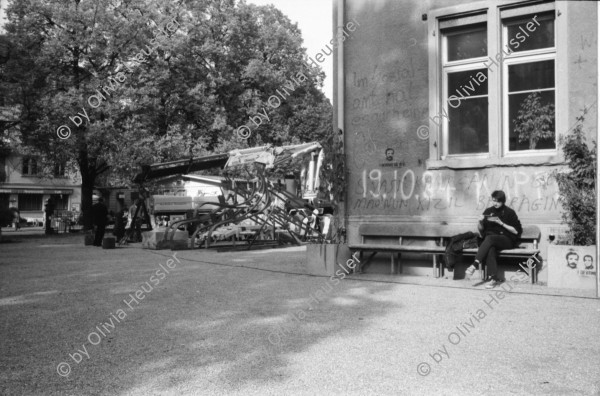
pixel 16 218
pixel 48 213
pixel 501 229
pixel 120 220
pixel 99 218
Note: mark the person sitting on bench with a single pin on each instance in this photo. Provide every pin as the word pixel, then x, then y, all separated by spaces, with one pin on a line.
pixel 500 229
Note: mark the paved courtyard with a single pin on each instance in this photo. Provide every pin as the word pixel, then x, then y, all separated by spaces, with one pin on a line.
pixel 80 320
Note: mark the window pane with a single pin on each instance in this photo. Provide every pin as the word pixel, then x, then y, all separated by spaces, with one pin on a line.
pixel 4 201
pixel 531 121
pixel 468 83
pixel 30 202
pixel 61 201
pixel 530 76
pixel 469 44
pixel 468 127
pixel 527 35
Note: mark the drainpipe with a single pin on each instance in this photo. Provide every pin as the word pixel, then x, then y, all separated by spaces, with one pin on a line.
pixel 598 188
pixel 338 122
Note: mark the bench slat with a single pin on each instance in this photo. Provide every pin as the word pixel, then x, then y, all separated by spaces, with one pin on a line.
pixel 508 252
pixel 398 248
pixel 435 249
pixel 415 230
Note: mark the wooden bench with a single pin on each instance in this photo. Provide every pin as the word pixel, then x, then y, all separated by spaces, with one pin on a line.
pixel 393 238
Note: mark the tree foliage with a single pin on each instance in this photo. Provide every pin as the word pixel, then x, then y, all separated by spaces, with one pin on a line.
pixel 333 176
pixel 534 120
pixel 577 185
pixel 184 96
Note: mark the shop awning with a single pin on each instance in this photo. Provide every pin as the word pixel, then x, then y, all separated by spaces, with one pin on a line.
pixel 32 191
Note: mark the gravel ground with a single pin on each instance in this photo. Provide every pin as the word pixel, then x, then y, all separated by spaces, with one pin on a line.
pixel 252 323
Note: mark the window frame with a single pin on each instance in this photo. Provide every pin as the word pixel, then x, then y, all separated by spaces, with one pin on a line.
pixel 454 67
pixel 59 170
pixel 26 164
pixel 517 58
pixel 498 154
pixel 30 208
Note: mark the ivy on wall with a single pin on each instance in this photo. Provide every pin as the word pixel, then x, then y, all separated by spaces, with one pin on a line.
pixel 333 177
pixel 577 185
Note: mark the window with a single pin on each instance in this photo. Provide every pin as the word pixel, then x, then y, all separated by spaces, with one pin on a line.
pixel 493 95
pixel 4 201
pixel 465 90
pixel 29 166
pixel 30 202
pixel 529 91
pixel 59 169
pixel 61 201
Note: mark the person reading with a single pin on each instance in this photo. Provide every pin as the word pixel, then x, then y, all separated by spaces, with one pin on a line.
pixel 500 229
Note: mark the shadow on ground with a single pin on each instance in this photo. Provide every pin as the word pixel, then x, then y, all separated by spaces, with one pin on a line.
pixel 208 324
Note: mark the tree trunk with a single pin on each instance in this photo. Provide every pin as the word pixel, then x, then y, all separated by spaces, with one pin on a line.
pixel 88 178
pixel 87 191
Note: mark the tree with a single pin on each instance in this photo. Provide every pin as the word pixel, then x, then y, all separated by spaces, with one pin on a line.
pixel 76 65
pixel 68 56
pixel 534 120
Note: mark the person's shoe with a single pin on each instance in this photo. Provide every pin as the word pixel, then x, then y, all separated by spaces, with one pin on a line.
pixel 491 284
pixel 470 271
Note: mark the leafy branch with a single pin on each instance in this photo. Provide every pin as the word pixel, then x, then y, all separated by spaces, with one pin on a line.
pixel 534 120
pixel 577 185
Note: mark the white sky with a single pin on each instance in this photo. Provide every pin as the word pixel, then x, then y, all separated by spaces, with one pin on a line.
pixel 314 18
pixel 3 4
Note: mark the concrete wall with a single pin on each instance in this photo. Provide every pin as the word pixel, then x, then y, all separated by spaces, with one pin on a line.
pixel 387 84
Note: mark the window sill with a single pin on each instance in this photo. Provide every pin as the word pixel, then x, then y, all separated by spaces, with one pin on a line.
pixel 476 163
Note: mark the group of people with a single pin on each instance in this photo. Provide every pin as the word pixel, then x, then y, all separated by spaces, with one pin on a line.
pixel 499 228
pixel 126 222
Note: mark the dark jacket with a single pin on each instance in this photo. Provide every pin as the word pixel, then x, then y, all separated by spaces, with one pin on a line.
pixel 507 216
pixel 457 243
pixel 99 213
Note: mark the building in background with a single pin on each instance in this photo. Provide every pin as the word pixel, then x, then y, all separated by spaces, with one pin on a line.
pixel 22 186
pixel 431 98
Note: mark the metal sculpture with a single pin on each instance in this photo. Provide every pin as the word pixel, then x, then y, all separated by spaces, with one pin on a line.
pixel 262 205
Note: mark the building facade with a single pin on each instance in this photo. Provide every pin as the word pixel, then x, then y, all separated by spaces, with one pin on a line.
pixel 442 102
pixel 22 186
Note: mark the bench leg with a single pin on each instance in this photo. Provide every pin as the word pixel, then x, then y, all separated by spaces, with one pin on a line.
pixel 366 264
pixel 533 271
pixel 435 271
pixel 360 261
pixel 394 264
pixel 400 269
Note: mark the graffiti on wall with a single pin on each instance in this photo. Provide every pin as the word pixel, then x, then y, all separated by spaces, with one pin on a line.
pixel 437 190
